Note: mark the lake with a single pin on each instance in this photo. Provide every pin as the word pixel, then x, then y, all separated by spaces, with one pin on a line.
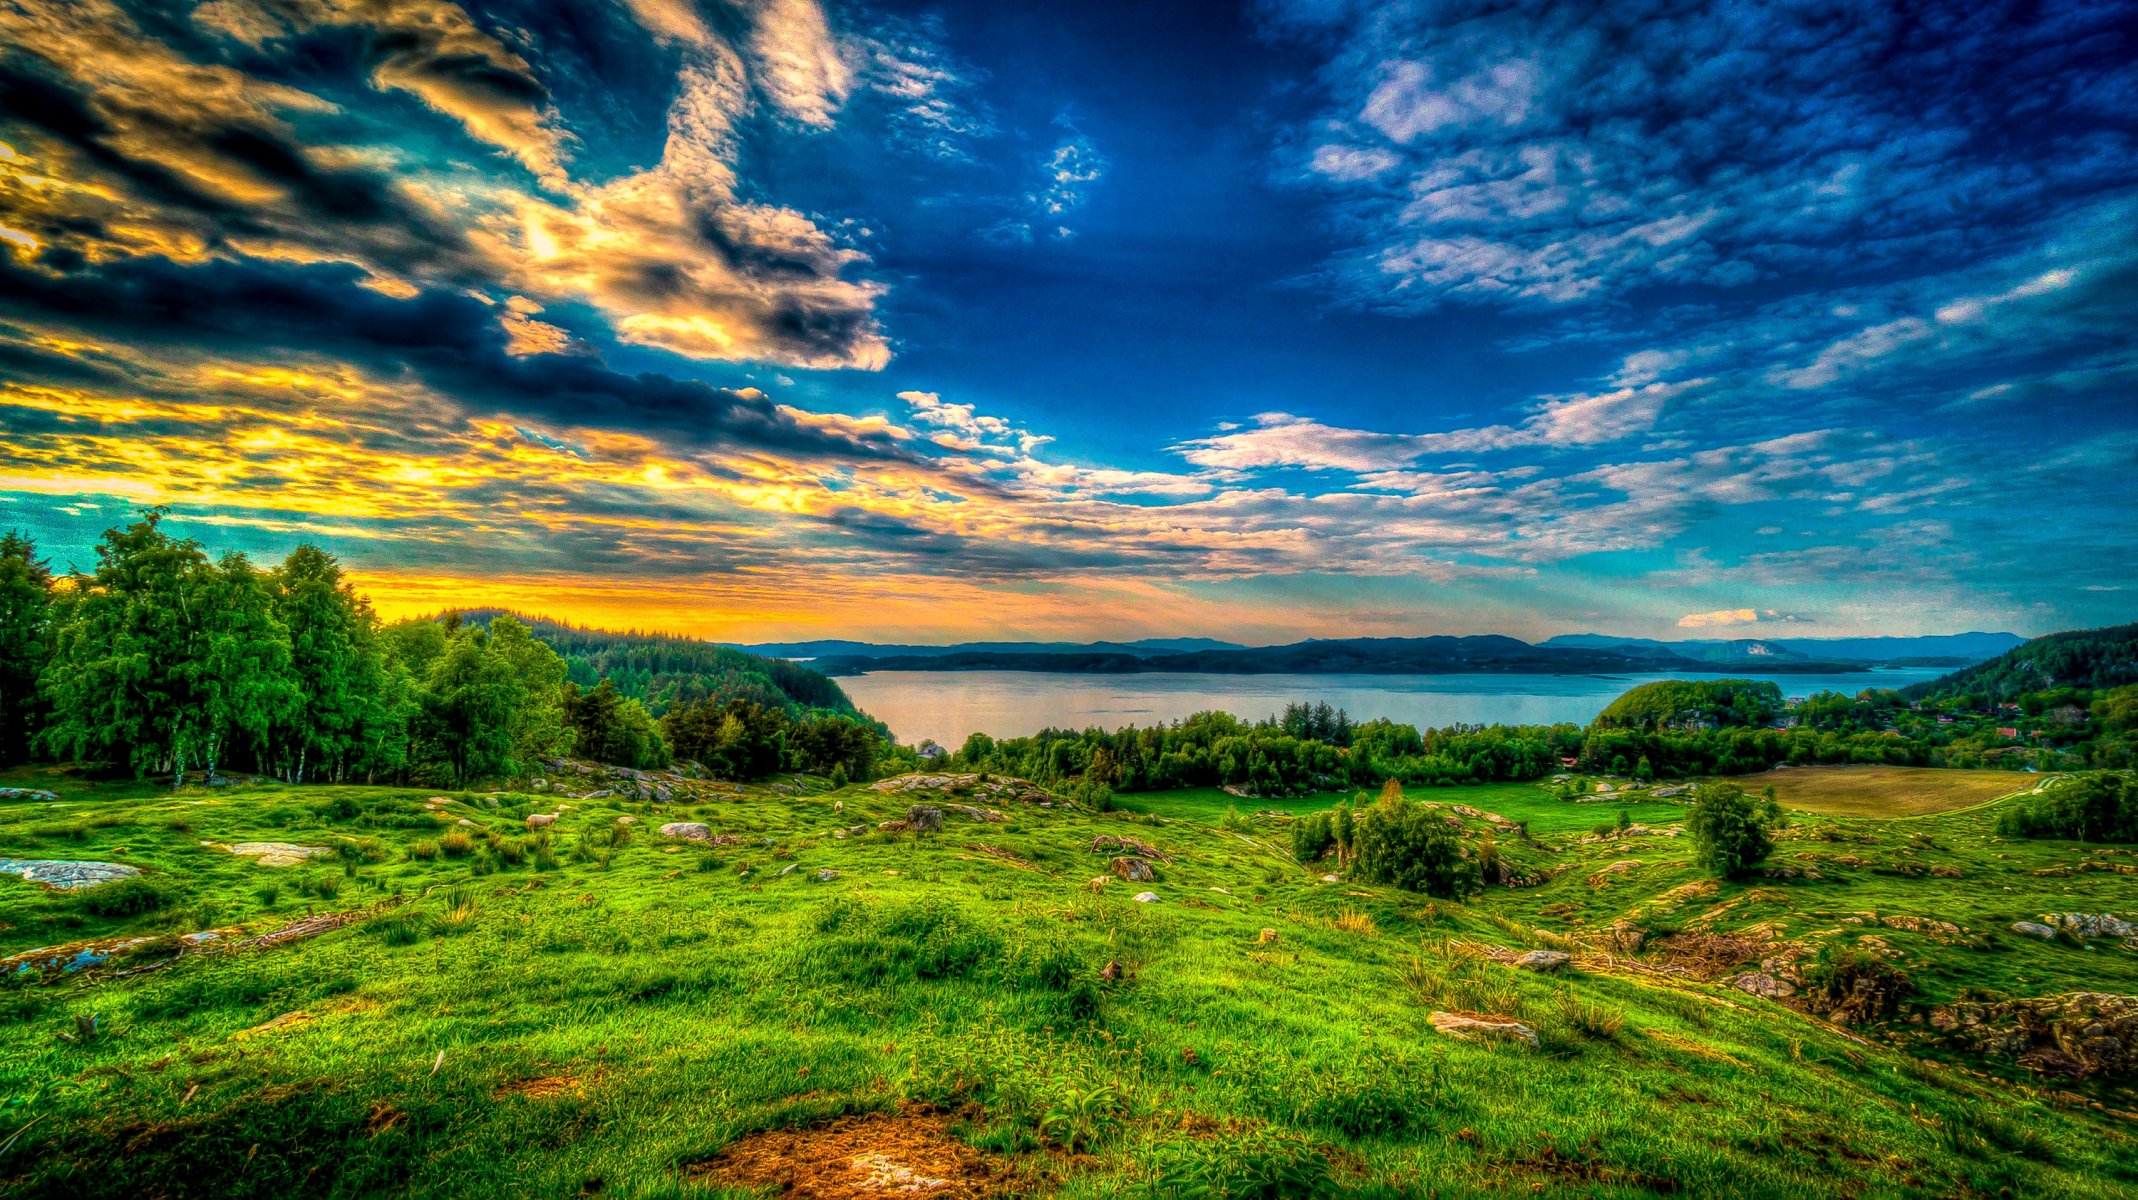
pixel 947 705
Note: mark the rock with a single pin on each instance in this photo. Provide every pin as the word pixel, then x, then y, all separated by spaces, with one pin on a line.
pixel 1268 937
pixel 1683 789
pixel 1485 1027
pixel 277 854
pixel 1330 879
pixel 1621 867
pixel 1110 972
pixel 465 823
pixel 539 820
pixel 64 874
pixel 984 815
pixel 2090 925
pixel 627 819
pixel 1098 882
pixel 2033 930
pixel 923 819
pixel 37 794
pixel 697 831
pixel 1543 960
pixel 1626 937
pixel 1107 843
pixel 1759 983
pixel 788 870
pixel 2076 1034
pixel 891 827
pixel 826 875
pixel 1134 870
pixel 1146 897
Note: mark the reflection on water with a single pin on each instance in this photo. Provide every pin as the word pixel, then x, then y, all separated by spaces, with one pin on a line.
pixel 947 705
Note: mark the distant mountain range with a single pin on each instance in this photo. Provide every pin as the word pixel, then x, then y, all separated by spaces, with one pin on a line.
pixel 846 649
pixel 1935 650
pixel 1567 654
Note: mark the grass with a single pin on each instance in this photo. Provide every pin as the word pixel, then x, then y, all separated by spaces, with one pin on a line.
pixel 1871 791
pixel 609 1016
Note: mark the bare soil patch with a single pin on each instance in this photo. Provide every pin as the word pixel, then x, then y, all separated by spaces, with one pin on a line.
pixel 902 1154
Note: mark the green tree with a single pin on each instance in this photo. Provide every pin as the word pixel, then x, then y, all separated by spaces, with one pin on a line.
pixel 348 710
pixel 127 665
pixel 468 701
pixel 26 612
pixel 538 727
pixel 1731 831
pixel 610 727
pixel 245 682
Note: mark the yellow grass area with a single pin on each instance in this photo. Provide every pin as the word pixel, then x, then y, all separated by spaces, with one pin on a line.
pixel 1886 791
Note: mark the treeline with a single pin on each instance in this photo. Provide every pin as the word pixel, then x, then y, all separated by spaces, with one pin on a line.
pixel 662 671
pixel 165 661
pixel 2097 660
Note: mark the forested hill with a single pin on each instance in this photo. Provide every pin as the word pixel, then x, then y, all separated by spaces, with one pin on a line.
pixel 2097 659
pixel 1487 654
pixel 663 670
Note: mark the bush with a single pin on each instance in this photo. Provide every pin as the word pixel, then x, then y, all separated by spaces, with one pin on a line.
pixel 1312 836
pixel 1732 832
pixel 456 845
pixel 2098 806
pixel 125 898
pixel 1414 848
pixel 423 851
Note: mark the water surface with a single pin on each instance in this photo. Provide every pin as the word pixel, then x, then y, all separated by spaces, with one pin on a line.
pixel 947 705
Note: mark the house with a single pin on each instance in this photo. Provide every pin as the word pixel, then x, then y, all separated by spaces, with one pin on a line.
pixel 2007 732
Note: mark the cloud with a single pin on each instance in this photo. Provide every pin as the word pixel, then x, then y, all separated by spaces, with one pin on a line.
pixel 1542 154
pixel 131 146
pixel 1737 616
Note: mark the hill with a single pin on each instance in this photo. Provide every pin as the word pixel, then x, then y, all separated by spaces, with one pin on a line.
pixel 2097 659
pixel 839 648
pixel 1485 654
pixel 662 670
pixel 1956 649
pixel 808 992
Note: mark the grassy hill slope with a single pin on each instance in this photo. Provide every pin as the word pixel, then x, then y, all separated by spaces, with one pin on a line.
pixel 594 1009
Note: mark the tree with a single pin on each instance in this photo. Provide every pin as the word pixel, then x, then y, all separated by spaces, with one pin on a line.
pixel 468 701
pixel 245 680
pixel 1731 831
pixel 347 710
pixel 25 644
pixel 127 667
pixel 610 727
pixel 538 728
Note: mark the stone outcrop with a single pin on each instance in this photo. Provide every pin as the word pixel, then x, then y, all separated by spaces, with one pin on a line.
pixel 278 854
pixel 997 788
pixel 2075 1035
pixel 696 831
pixel 64 873
pixel 1480 1027
pixel 923 819
pixel 1543 961
pixel 1107 843
pixel 1134 870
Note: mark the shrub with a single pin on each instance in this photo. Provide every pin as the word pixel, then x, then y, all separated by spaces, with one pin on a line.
pixel 401 927
pixel 1852 985
pixel 1262 1165
pixel 456 845
pixel 268 893
pixel 545 853
pixel 1352 920
pixel 1312 836
pixel 2098 806
pixel 125 898
pixel 341 808
pixel 1731 831
pixel 423 851
pixel 1232 821
pixel 1414 848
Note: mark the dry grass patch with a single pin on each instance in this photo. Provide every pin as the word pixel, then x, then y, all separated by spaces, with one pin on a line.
pixel 1868 791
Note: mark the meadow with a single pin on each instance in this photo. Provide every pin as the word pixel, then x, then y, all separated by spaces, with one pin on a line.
pixel 808 1002
pixel 1877 791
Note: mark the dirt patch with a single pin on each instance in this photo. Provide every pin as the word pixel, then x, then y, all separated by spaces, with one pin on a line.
pixel 546 1087
pixel 901 1154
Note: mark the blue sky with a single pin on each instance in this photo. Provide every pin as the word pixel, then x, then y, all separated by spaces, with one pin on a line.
pixel 950 320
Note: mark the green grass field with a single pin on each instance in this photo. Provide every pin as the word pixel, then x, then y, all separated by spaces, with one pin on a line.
pixel 963 1014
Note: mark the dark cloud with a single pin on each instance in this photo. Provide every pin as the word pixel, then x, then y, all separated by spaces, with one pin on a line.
pixel 452 343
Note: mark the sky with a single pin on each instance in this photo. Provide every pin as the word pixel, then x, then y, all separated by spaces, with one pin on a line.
pixel 928 322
